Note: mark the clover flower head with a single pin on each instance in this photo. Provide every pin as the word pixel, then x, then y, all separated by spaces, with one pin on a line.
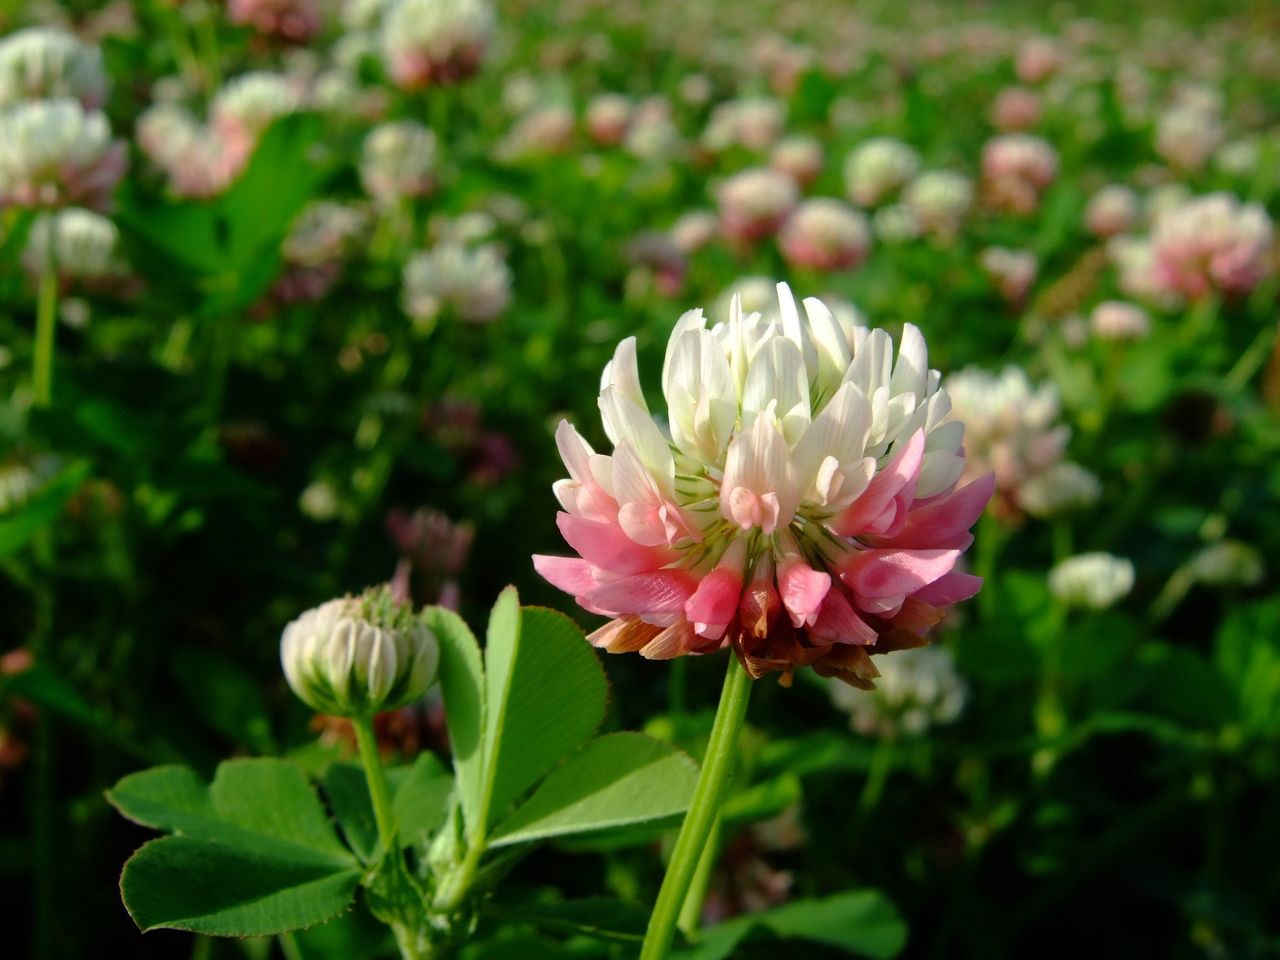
pixel 57 154
pixel 877 168
pixel 1093 581
pixel 429 43
pixel 77 243
pixel 474 282
pixel 397 160
pixel 1212 243
pixel 917 689
pixel 801 506
pixel 42 63
pixel 825 234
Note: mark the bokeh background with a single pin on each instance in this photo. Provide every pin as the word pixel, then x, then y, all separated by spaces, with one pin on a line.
pixel 322 277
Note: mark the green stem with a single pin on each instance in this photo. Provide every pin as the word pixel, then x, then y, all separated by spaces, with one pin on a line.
pixel 379 792
pixel 703 811
pixel 1254 356
pixel 691 911
pixel 46 323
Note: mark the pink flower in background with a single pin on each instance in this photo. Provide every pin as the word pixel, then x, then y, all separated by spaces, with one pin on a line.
pixel 429 43
pixel 803 508
pixel 294 20
pixel 1111 211
pixel 1015 108
pixel 825 234
pixel 1212 243
pixel 754 203
pixel 1013 272
pixel 1038 59
pixel 1016 169
pixel 799 157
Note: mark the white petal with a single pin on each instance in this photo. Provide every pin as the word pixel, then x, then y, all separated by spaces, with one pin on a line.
pixel 912 368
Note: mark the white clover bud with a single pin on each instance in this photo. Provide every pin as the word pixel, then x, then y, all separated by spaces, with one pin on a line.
pixel 1092 580
pixel 359 655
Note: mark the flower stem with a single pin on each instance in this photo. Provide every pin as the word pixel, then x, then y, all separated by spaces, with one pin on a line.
pixel 46 323
pixel 882 761
pixel 691 911
pixel 379 792
pixel 703 810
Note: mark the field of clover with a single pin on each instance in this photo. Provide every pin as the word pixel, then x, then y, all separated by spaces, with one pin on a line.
pixel 500 480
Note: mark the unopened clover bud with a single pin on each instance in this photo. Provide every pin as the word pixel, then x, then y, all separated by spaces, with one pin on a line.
pixel 358 655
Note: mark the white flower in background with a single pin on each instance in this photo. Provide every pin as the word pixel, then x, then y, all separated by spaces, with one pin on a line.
pixel 325 231
pixel 1164 199
pixel 896 223
pixel 1134 259
pixel 428 43
pixel 1239 158
pixel 1094 581
pixel 190 156
pixel 21 477
pixel 43 63
pixel 1012 429
pixel 1118 320
pixel 754 203
pixel 939 199
pixel 799 157
pixel 53 153
pixel 917 689
pixel 825 234
pixel 804 507
pixel 359 655
pixel 1186 137
pixel 397 160
pixel 363 15
pixel 653 135
pixel 473 282
pixel 694 230
pixel 755 123
pixel 757 294
pixel 1112 210
pixel 1060 488
pixel 544 131
pixel 877 168
pixel 78 244
pixel 1228 563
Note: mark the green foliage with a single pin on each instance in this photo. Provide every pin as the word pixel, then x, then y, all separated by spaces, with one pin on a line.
pixel 859 922
pixel 615 780
pixel 251 854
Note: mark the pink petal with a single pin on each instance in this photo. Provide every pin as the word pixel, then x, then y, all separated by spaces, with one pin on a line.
pixel 661 591
pixel 904 468
pixel 838 622
pixel 715 603
pixel 570 574
pixel 605 545
pixel 803 590
pixel 950 588
pixel 945 523
pixel 882 574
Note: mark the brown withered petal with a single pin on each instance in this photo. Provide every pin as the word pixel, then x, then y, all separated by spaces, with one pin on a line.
pixel 624 635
